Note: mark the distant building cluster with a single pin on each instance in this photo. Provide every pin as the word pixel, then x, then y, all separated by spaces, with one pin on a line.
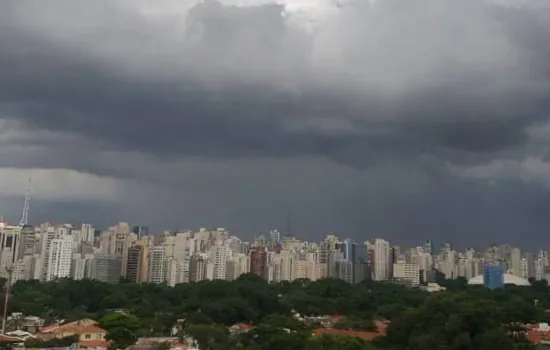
pixel 48 252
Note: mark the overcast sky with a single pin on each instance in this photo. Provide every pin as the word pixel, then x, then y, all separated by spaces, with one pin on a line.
pixel 410 120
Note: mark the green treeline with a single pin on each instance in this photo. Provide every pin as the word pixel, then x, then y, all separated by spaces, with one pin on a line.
pixel 463 317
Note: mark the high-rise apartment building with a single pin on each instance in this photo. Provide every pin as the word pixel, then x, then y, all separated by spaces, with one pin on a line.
pixel 197 268
pixel 106 269
pixel 9 246
pixel 27 245
pixel 381 260
pixel 88 233
pixel 258 261
pixel 344 270
pixel 515 261
pixel 116 241
pixel 157 262
pixel 220 255
pixel 59 258
pixel 134 264
pixel 81 266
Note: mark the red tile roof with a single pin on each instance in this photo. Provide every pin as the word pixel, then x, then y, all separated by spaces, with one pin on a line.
pixel 381 327
pixel 94 343
pixel 535 336
pixel 243 326
pixel 359 334
pixel 92 329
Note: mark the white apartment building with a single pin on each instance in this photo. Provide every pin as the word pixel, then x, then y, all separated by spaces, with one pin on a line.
pixel 184 247
pixel 220 254
pixel 87 232
pixel 47 235
pixel 59 258
pixel 157 262
pixel 381 260
pixel 171 272
pixel 81 266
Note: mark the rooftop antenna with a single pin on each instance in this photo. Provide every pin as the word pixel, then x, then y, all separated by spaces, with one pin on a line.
pixel 287 233
pixel 25 214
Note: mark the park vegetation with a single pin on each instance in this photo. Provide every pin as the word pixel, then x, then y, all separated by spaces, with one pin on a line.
pixel 461 318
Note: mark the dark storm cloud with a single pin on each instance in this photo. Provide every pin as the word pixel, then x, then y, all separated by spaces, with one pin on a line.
pixel 236 115
pixel 410 78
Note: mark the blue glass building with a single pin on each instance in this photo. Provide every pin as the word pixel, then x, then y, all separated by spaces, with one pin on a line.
pixel 493 276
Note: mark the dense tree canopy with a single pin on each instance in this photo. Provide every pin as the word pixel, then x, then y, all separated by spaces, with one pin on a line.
pixel 463 317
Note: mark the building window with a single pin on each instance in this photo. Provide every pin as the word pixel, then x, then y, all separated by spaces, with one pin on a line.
pixel 87 336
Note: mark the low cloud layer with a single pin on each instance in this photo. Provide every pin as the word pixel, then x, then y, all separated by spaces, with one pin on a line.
pixel 182 96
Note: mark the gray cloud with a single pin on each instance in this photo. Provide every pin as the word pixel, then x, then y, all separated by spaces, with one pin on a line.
pixel 127 90
pixel 467 75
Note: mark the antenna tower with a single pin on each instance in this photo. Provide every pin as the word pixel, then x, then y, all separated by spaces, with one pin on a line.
pixel 25 214
pixel 287 233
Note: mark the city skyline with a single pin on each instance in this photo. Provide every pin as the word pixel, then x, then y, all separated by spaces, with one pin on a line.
pixel 47 252
pixel 282 233
pixel 408 120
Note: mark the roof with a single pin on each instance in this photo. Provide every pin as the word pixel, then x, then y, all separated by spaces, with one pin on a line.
pixel 94 343
pixel 508 279
pixel 92 329
pixel 77 327
pixel 146 343
pixel 65 326
pixel 12 338
pixel 381 327
pixel 536 337
pixel 242 326
pixel 359 334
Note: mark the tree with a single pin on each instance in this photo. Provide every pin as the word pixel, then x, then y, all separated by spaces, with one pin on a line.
pixel 121 338
pixel 114 320
pixel 207 336
pixel 327 342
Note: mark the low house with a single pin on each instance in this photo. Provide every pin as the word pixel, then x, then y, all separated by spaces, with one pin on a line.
pixel 90 335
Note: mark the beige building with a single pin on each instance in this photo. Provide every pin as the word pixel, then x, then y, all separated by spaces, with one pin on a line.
pixel 116 241
pixel 409 273
pixel 238 264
